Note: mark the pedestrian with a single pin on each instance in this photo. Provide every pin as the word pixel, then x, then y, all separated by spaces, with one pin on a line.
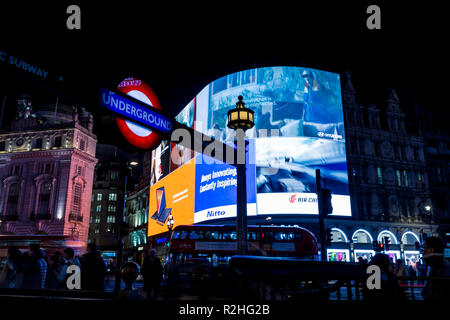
pixel 437 284
pixel 70 259
pixel 152 275
pixel 93 270
pixel 35 269
pixel 56 273
pixel 11 269
pixel 399 269
pixel 390 289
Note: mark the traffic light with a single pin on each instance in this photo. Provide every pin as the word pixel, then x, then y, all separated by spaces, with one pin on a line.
pixel 325 199
pixel 329 237
pixel 377 247
pixel 387 242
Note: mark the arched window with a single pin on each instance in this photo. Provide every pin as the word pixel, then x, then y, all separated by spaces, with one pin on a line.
pixel 13 199
pixel 410 237
pixel 362 236
pixel 338 235
pixel 389 234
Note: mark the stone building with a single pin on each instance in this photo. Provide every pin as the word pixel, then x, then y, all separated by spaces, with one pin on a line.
pixel 47 159
pixel 388 180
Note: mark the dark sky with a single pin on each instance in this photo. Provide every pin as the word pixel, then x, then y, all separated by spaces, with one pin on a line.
pixel 179 48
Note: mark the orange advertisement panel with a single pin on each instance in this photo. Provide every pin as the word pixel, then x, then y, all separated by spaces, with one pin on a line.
pixel 172 195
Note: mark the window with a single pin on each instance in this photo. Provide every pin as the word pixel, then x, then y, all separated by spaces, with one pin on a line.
pixel 13 199
pixel 212 235
pixel 111 219
pixel 112 197
pixel 76 204
pixel 438 174
pixel 399 177
pixel 405 177
pixel 48 168
pixel 97 219
pixel 38 143
pixel 16 170
pixel 112 208
pixel 419 177
pixel 82 144
pixel 184 234
pixel 44 198
pixel 2 145
pixel 361 236
pixel 99 197
pixel 284 236
pixel 58 142
pixel 379 175
pixel 229 235
pixel 90 219
pixel 252 235
pixel 97 230
pixel 196 234
pixel 114 175
pixel 98 208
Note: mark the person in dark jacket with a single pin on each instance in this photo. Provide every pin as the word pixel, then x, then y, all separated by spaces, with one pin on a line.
pixel 93 270
pixel 390 289
pixel 56 273
pixel 152 275
pixel 35 269
pixel 437 285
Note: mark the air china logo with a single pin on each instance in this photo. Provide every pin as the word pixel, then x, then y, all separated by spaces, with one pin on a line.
pixel 292 198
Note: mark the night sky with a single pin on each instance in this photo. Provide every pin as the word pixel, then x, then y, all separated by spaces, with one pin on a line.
pixel 178 49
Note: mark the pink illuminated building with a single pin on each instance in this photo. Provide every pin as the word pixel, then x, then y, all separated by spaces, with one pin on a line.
pixel 47 160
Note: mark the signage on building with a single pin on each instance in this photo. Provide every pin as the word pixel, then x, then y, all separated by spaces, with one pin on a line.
pixel 137 114
pixel 23 65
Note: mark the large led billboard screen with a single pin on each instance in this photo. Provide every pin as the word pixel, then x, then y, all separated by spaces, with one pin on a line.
pixel 198 191
pixel 299 127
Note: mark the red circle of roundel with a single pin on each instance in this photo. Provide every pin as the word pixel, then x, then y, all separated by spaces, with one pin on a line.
pixel 129 86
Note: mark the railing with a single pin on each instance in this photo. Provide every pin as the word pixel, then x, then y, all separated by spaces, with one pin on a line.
pixel 290 279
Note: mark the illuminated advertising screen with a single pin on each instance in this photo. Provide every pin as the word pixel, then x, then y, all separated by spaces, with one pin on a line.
pixel 172 195
pixel 215 188
pixel 299 127
pixel 198 191
pixel 180 154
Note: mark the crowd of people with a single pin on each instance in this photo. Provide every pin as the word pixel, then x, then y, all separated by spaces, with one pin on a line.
pixel 435 271
pixel 35 270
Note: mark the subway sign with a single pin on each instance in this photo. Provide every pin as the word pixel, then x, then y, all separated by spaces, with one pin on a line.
pixel 134 119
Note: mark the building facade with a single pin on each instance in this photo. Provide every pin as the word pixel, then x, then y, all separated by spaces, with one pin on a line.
pixel 47 161
pixel 391 193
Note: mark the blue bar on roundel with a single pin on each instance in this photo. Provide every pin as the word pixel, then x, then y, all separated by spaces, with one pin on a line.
pixel 135 111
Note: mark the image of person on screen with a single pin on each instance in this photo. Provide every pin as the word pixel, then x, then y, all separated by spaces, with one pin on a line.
pixel 318 119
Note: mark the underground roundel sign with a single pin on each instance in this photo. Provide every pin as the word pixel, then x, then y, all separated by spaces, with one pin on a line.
pixel 136 134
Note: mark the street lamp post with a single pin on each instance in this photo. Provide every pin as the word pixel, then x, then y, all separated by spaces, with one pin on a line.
pixel 170 224
pixel 119 258
pixel 430 216
pixel 241 119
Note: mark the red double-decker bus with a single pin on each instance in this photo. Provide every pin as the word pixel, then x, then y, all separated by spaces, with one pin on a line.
pixel 197 256
pixel 217 243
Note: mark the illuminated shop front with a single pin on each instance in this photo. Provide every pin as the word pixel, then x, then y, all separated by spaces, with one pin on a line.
pixel 339 250
pixel 340 255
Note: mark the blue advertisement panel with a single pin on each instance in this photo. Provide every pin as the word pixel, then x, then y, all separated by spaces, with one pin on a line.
pixel 216 187
pixel 299 127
